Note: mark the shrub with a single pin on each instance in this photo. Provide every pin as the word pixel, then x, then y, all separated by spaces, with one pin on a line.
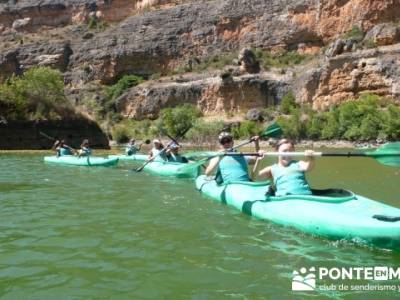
pixel 205 132
pixel 288 103
pixel 175 120
pixel 281 59
pixel 39 93
pixel 354 33
pixel 247 129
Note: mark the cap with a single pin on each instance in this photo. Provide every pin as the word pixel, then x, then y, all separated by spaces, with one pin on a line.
pixel 156 141
pixel 224 135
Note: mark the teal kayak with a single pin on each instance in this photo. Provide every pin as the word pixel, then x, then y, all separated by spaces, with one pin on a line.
pixel 335 214
pixel 134 157
pixel 179 170
pixel 81 161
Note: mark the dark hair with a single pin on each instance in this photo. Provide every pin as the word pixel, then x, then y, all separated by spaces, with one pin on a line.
pixel 283 141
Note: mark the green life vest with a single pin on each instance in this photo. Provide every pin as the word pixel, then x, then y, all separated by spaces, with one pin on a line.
pixel 290 180
pixel 233 168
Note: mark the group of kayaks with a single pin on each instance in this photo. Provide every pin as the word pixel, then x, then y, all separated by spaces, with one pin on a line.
pixel 333 213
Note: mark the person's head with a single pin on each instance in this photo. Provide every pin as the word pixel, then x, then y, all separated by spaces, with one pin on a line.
pixel 225 139
pixel 62 143
pixel 175 148
pixel 85 143
pixel 284 145
pixel 157 144
pixel 132 141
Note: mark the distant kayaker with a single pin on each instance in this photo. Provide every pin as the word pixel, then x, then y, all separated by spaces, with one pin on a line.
pixel 289 175
pixel 231 168
pixel 62 148
pixel 173 154
pixel 131 148
pixel 156 150
pixel 85 148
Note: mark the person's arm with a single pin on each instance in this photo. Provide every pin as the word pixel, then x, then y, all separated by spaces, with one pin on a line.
pixel 212 165
pixel 266 173
pixel 308 165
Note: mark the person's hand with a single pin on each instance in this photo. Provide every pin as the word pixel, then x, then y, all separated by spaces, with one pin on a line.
pixel 255 138
pixel 309 153
pixel 262 153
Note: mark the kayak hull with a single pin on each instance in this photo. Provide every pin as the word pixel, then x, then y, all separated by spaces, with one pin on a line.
pixel 179 170
pixel 349 216
pixel 88 161
pixel 134 157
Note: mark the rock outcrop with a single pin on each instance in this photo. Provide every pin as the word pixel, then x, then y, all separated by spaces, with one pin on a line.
pixel 345 77
pixel 211 95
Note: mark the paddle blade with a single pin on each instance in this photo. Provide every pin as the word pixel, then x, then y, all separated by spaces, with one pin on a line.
pixel 388 154
pixel 272 131
pixel 147 142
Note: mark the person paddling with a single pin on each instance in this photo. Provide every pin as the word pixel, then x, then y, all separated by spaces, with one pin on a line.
pixel 173 154
pixel 131 148
pixel 62 148
pixel 157 148
pixel 231 168
pixel 289 175
pixel 85 149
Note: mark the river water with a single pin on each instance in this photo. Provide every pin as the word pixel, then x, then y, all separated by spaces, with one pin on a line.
pixel 110 233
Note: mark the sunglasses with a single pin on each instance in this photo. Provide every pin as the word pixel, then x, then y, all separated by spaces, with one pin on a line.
pixel 226 141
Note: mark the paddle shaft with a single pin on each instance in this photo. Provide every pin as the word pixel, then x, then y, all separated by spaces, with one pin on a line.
pixel 315 154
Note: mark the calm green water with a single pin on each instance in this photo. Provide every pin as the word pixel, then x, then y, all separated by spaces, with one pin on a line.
pixel 102 233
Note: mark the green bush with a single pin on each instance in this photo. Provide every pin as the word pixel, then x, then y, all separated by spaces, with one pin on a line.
pixel 281 59
pixel 39 93
pixel 354 33
pixel 247 129
pixel 366 118
pixel 204 132
pixel 288 103
pixel 116 90
pixel 175 120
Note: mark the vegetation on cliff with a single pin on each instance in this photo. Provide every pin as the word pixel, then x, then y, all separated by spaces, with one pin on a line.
pixel 367 118
pixel 37 94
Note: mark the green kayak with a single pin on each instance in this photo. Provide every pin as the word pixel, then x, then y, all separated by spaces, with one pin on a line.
pixel 180 170
pixel 333 213
pixel 134 157
pixel 81 161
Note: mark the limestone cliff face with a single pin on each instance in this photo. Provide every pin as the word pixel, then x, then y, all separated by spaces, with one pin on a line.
pixel 345 76
pixel 214 95
pixel 156 36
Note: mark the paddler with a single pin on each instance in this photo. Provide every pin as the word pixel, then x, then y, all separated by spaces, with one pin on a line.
pixel 85 149
pixel 289 175
pixel 231 168
pixel 173 154
pixel 131 148
pixel 156 150
pixel 62 148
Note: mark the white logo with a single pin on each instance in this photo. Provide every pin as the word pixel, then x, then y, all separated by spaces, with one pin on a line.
pixel 303 282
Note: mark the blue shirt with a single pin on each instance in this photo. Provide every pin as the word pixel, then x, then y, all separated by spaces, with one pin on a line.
pixel 290 180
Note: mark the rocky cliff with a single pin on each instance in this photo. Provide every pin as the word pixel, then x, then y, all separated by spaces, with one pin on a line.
pixel 97 42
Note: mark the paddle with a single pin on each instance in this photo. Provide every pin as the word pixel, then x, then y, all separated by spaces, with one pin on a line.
pixel 178 136
pixel 54 139
pixel 388 154
pixel 272 131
